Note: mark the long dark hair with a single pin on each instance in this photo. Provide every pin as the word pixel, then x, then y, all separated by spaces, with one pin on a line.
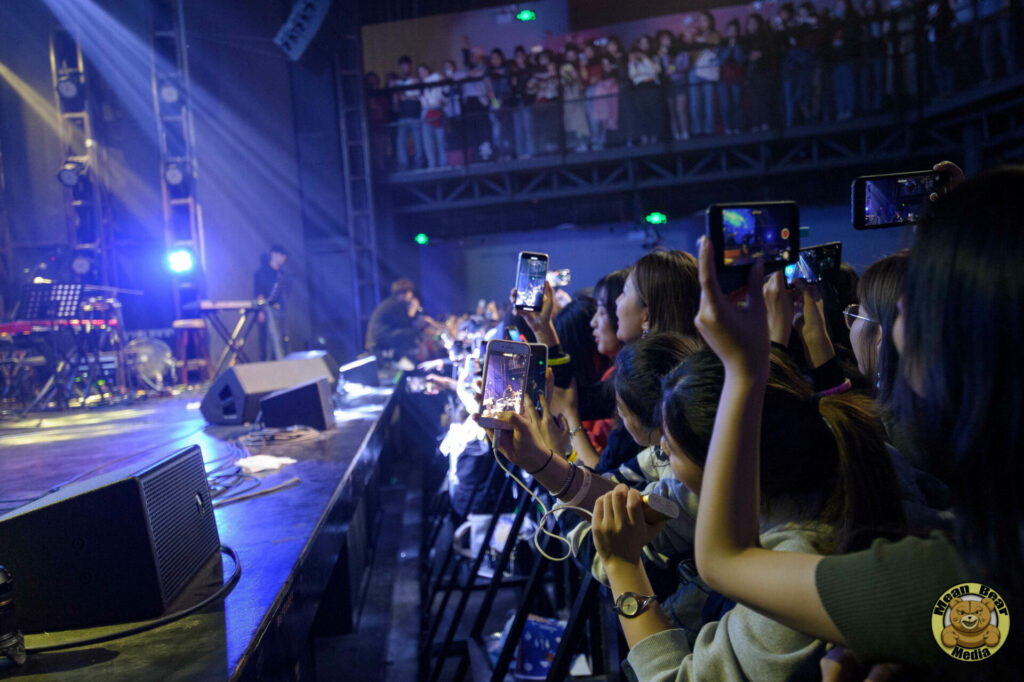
pixel 640 368
pixel 668 285
pixel 572 324
pixel 607 290
pixel 825 457
pixel 880 290
pixel 963 328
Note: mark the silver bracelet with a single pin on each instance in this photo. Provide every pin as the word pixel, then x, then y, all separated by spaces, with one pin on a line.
pixel 572 433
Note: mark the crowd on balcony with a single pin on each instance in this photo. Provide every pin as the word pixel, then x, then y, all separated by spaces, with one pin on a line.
pixel 805 64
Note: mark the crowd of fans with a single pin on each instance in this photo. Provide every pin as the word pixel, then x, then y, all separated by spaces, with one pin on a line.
pixel 804 64
pixel 843 453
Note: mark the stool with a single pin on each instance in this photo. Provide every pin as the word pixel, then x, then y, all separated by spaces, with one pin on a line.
pixel 194 330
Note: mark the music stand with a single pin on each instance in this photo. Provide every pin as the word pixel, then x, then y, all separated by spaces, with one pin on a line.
pixel 49 301
pixel 52 302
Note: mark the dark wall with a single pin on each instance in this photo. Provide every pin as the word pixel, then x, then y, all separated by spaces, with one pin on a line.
pixel 456 273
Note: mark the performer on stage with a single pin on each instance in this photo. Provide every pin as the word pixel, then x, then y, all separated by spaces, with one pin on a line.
pixel 391 330
pixel 270 285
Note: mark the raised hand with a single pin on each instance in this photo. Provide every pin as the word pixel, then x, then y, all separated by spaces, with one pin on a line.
pixel 779 304
pixel 811 325
pixel 737 333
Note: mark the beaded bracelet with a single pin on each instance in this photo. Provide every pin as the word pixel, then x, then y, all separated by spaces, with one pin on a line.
pixel 551 454
pixel 568 481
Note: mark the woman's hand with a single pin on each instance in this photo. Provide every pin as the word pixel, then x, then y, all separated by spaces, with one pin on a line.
pixel 540 321
pixel 779 304
pixel 620 530
pixel 737 333
pixel 811 325
pixel 555 429
pixel 566 402
pixel 523 443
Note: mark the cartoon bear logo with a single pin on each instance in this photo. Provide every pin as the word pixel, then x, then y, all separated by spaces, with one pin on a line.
pixel 970 624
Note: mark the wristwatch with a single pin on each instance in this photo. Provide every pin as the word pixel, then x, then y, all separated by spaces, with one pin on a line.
pixel 631 604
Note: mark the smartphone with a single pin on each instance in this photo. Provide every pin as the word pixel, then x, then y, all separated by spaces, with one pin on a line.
pixel 893 199
pixel 530 276
pixel 743 232
pixel 506 364
pixel 535 380
pixel 815 263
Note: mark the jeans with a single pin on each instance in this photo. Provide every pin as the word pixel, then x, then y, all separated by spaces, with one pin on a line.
pixel 730 100
pixel 872 83
pixel 996 29
pixel 407 127
pixel 797 81
pixel 522 121
pixel 702 106
pixel 435 145
pixel 843 89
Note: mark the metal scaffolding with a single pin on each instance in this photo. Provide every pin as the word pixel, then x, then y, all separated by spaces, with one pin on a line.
pixel 176 138
pixel 969 125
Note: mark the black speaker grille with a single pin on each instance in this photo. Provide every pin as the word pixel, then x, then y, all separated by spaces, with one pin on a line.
pixel 181 519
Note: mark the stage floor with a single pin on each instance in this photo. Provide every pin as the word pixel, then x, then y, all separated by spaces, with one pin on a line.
pixel 43 449
pixel 287 538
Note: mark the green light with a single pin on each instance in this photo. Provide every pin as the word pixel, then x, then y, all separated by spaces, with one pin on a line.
pixel 422 239
pixel 526 15
pixel 656 218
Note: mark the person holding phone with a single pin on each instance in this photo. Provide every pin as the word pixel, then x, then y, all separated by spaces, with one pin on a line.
pixel 963 418
pixel 828 486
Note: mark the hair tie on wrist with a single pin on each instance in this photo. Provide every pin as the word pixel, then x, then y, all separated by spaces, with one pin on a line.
pixel 551 454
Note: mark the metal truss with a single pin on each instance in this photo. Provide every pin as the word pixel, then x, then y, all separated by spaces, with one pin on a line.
pixel 957 127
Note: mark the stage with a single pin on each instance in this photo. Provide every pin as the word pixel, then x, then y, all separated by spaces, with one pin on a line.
pixel 305 550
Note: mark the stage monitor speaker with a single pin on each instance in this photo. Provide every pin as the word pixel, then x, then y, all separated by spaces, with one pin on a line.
pixel 115 548
pixel 325 357
pixel 307 404
pixel 362 371
pixel 234 396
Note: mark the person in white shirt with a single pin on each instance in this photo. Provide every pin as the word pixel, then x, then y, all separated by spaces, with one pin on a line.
pixel 432 101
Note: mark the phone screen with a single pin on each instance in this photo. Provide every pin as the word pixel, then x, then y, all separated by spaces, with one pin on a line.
pixel 533 269
pixel 769 231
pixel 893 200
pixel 504 380
pixel 815 263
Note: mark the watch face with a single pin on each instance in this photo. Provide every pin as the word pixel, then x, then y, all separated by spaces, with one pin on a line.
pixel 629 605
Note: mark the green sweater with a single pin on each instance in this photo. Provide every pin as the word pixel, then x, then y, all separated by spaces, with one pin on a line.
pixel 881 599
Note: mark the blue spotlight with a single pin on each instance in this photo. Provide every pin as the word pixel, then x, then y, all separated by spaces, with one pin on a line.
pixel 180 261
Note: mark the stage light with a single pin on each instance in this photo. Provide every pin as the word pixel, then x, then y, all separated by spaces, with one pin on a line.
pixel 169 92
pixel 656 218
pixel 422 239
pixel 174 174
pixel 180 261
pixel 70 173
pixel 68 87
pixel 526 15
pixel 82 263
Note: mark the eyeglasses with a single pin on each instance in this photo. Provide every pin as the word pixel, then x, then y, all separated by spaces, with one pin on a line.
pixel 852 312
